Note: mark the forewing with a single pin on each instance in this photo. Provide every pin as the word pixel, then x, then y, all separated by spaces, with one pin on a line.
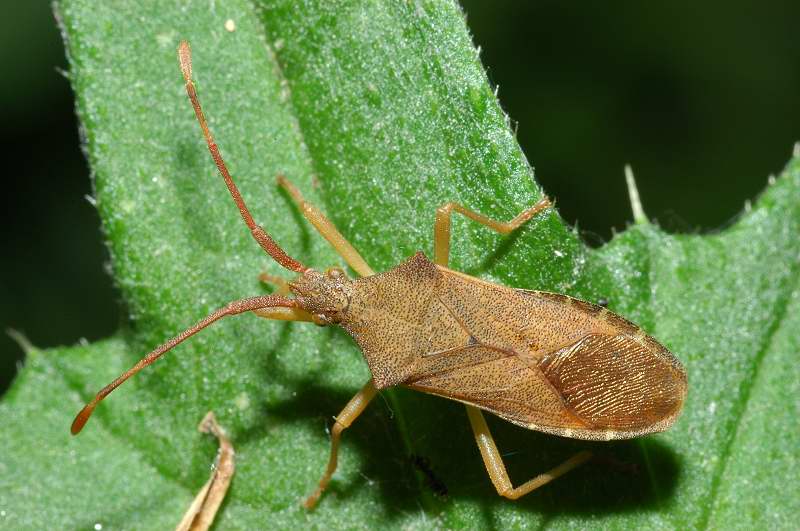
pixel 498 381
pixel 599 387
pixel 620 383
pixel 545 361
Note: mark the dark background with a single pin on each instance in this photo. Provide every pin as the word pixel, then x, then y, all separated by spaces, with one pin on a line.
pixel 702 99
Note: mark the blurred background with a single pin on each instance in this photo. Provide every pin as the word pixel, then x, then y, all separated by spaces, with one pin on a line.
pixel 702 99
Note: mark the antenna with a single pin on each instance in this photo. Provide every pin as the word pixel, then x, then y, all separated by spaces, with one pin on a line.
pixel 232 308
pixel 264 240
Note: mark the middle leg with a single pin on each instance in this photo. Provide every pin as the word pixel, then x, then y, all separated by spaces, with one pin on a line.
pixel 349 414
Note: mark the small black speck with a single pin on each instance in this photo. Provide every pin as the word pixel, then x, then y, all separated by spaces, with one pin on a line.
pixel 423 464
pixel 602 301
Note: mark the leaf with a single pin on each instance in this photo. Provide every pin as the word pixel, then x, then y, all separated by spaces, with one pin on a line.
pixel 379 113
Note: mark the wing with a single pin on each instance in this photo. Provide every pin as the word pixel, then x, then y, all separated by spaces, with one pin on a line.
pixel 599 387
pixel 620 385
pixel 541 360
pixel 495 380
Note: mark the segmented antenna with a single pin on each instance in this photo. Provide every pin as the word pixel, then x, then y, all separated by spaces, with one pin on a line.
pixel 232 308
pixel 264 240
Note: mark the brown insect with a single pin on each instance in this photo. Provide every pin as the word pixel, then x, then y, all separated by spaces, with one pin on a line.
pixel 543 361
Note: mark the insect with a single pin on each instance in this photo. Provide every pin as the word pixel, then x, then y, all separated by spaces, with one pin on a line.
pixel 540 360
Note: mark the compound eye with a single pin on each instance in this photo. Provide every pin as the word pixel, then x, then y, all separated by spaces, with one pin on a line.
pixel 334 272
pixel 320 320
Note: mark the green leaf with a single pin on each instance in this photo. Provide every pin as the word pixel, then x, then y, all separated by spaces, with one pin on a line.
pixel 379 113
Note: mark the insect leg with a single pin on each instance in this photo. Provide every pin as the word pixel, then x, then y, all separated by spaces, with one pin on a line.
pixel 282 287
pixel 441 227
pixel 285 314
pixel 282 314
pixel 497 469
pixel 349 414
pixel 327 229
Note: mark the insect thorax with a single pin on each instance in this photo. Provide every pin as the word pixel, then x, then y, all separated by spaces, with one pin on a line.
pixel 386 317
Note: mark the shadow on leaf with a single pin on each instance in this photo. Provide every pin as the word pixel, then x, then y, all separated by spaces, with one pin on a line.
pixel 623 476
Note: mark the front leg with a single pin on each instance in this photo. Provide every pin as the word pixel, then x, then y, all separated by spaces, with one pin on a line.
pixel 327 229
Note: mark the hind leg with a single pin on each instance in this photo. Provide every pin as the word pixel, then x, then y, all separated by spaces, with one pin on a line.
pixel 497 469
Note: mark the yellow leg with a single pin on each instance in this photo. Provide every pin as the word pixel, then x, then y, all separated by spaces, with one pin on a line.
pixel 282 314
pixel 497 469
pixel 350 413
pixel 441 227
pixel 281 286
pixel 327 229
pixel 286 314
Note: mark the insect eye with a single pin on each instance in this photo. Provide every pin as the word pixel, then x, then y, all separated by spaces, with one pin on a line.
pixel 334 272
